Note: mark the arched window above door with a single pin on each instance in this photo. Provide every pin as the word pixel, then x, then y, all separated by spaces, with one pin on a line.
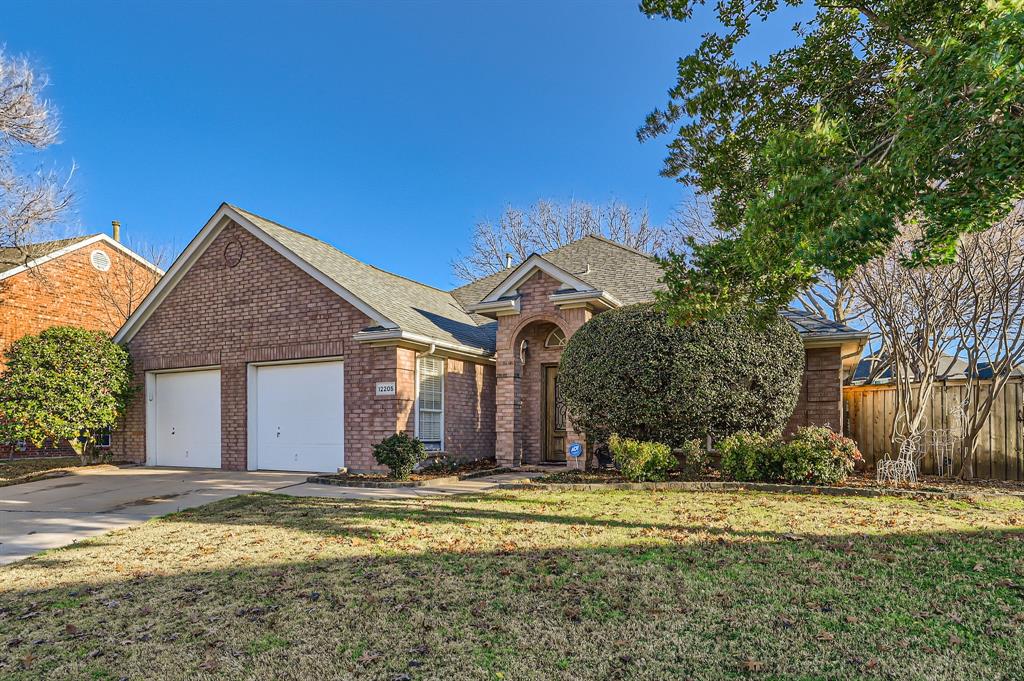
pixel 555 339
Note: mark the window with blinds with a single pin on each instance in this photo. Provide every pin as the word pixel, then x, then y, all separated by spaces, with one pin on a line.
pixel 430 401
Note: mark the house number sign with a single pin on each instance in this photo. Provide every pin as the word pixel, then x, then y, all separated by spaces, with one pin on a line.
pixel 385 389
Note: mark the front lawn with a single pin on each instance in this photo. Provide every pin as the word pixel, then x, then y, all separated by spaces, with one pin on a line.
pixel 531 584
pixel 17 471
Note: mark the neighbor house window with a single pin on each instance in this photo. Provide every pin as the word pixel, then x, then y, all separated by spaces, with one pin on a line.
pixel 103 439
pixel 430 401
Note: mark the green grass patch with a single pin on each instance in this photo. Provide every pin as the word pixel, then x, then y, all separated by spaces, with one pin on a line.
pixel 532 584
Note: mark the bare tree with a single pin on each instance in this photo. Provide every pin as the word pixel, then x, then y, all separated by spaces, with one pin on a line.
pixel 917 311
pixel 31 202
pixel 122 288
pixel 970 310
pixel 547 225
pixel 990 334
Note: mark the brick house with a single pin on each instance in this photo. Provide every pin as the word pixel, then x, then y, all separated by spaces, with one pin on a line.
pixel 91 282
pixel 265 348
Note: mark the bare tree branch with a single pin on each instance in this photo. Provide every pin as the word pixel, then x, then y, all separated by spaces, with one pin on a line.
pixel 31 203
pixel 547 225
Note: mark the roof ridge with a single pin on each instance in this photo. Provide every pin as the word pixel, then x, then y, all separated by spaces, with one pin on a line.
pixel 347 255
pixel 544 255
pixel 612 242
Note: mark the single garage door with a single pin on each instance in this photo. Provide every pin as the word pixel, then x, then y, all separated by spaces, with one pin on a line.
pixel 300 418
pixel 187 419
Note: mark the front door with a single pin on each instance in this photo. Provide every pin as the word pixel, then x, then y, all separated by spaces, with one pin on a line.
pixel 554 417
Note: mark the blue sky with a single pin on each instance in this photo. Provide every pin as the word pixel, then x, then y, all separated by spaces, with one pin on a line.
pixel 387 129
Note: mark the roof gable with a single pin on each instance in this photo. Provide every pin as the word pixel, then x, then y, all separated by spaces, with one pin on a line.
pixel 626 274
pixel 17 259
pixel 393 302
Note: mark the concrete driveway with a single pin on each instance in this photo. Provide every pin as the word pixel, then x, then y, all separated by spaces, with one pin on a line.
pixel 56 512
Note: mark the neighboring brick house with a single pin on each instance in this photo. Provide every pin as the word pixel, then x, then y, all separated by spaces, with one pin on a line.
pixel 265 348
pixel 92 282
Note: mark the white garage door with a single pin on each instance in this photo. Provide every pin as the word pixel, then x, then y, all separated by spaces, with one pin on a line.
pixel 187 419
pixel 300 417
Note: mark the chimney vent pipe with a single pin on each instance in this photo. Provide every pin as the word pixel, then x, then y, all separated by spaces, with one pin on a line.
pixel 115 230
pixel 508 261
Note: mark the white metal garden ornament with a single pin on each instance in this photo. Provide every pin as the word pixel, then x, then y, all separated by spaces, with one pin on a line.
pixel 902 469
pixel 946 441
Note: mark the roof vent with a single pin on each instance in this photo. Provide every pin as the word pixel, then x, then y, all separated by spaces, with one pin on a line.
pixel 100 260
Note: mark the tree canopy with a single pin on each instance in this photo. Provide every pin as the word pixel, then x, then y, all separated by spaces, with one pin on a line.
pixel 884 113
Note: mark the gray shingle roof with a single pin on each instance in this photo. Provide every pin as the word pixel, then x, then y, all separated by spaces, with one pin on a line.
pixel 13 257
pixel 629 275
pixel 414 307
pixel 812 326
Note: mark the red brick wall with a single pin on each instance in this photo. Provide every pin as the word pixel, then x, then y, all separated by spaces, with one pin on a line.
pixel 262 309
pixel 821 396
pixel 469 409
pixel 267 309
pixel 63 292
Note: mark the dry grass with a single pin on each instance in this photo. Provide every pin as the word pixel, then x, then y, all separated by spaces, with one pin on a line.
pixel 531 585
pixel 17 471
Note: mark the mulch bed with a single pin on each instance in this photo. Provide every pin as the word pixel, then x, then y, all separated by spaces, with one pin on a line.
pixel 434 474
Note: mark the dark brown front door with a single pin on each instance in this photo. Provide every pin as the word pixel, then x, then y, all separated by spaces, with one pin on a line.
pixel 554 417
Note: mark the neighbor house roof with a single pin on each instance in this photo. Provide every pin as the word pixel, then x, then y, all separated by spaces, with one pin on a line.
pixel 947 368
pixel 15 259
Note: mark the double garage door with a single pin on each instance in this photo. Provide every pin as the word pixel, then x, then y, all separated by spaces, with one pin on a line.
pixel 295 420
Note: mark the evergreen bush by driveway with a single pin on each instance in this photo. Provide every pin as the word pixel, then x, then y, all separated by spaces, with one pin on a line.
pixel 630 371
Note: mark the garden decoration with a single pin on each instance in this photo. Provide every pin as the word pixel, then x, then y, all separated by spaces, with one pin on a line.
pixel 946 441
pixel 904 467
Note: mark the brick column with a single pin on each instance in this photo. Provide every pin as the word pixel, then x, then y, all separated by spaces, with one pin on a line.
pixel 574 319
pixel 508 447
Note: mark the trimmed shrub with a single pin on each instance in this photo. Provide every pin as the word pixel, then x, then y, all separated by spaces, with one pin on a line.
pixel 815 456
pixel 750 457
pixel 692 460
pixel 632 372
pixel 641 461
pixel 819 456
pixel 64 384
pixel 400 453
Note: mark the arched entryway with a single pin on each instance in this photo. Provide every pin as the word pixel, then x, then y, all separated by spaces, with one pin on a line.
pixel 537 430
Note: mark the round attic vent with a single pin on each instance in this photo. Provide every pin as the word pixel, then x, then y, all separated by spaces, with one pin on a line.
pixel 100 260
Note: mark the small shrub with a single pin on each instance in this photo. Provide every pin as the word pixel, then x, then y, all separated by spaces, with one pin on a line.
pixel 750 457
pixel 815 456
pixel 641 461
pixel 692 460
pixel 818 456
pixel 400 453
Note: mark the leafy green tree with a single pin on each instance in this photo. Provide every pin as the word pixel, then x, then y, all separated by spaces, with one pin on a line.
pixel 63 384
pixel 884 113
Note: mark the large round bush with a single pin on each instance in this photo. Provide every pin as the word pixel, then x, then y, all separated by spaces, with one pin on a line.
pixel 630 371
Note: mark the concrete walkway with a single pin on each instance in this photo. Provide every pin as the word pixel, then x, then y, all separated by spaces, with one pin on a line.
pixel 50 513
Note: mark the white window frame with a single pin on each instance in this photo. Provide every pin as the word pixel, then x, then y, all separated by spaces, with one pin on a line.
pixel 549 344
pixel 444 376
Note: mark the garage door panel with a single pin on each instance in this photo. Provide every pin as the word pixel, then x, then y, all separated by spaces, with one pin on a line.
pixel 300 416
pixel 187 419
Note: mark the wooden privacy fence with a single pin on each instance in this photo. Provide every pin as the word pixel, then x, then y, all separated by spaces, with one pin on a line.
pixel 869 412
